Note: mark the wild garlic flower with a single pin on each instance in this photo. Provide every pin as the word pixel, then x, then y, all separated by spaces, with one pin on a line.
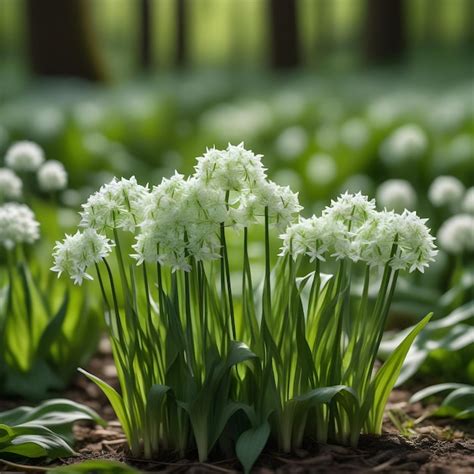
pixel 10 184
pixel 350 209
pixel 118 204
pixel 405 143
pixel 351 229
pixel 306 237
pixel 76 253
pixel 396 195
pixel 283 204
pixel 17 225
pixel 415 243
pixel 456 235
pixel 468 201
pixel 233 169
pixel 52 176
pixel 445 191
pixel 24 156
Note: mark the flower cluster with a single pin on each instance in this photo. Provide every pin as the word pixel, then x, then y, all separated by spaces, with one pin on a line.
pixel 18 225
pixel 396 195
pixel 405 143
pixel 117 204
pixel 10 184
pixel 184 217
pixel 445 191
pixel 52 176
pixel 351 228
pixel 456 235
pixel 24 156
pixel 77 252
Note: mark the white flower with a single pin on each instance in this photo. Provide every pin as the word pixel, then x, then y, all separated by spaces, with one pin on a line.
pixel 24 156
pixel 232 169
pixel 445 190
pixel 456 235
pixel 292 142
pixel 282 204
pixel 52 176
pixel 17 225
pixel 468 201
pixel 118 204
pixel 321 169
pixel 405 143
pixel 306 237
pixel 10 184
pixel 79 251
pixel 396 194
pixel 415 243
pixel 350 209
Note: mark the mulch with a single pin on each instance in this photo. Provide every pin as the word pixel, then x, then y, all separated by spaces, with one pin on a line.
pixel 426 444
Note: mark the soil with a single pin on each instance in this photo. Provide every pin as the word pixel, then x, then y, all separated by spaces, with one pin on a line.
pixel 412 441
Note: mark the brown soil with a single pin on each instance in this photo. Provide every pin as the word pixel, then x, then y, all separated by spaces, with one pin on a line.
pixel 425 445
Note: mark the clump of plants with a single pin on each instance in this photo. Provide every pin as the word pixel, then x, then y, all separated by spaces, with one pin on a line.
pixel 47 328
pixel 206 356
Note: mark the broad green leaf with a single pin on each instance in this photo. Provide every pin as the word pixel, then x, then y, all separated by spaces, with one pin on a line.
pixel 435 390
pixel 251 444
pixel 115 400
pixel 386 377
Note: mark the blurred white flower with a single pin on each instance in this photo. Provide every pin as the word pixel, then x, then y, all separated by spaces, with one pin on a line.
pixel 292 142
pixel 396 195
pixel 17 225
pixel 445 190
pixel 321 169
pixel 52 176
pixel 405 143
pixel 10 184
pixel 355 133
pixel 468 201
pixel 24 156
pixel 76 253
pixel 456 235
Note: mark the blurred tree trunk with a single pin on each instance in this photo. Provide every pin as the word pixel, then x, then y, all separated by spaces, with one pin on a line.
pixel 324 25
pixel 181 56
pixel 285 52
pixel 145 34
pixel 61 39
pixel 385 30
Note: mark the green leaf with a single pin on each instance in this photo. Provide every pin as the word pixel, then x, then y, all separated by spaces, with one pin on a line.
pixel 325 394
pixel 251 444
pixel 53 329
pixel 93 466
pixel 115 400
pixel 386 377
pixel 435 390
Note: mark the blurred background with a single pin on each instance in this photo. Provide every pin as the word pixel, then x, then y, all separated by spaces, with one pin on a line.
pixel 360 95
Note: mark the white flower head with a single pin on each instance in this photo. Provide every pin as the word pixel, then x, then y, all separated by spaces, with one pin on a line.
pixel 350 209
pixel 118 204
pixel 52 176
pixel 405 143
pixel 17 225
pixel 468 201
pixel 24 156
pixel 77 252
pixel 445 191
pixel 10 184
pixel 456 235
pixel 232 169
pixel 396 195
pixel 416 248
